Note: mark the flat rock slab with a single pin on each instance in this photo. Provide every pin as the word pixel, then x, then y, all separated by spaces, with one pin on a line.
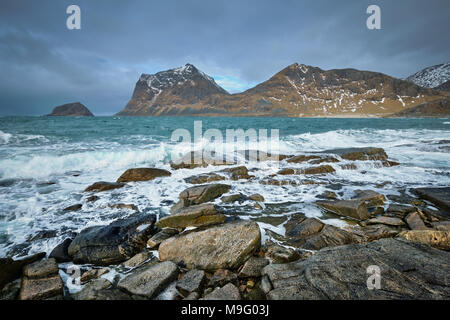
pixel 149 281
pixel 390 221
pixel 42 288
pixel 408 271
pixel 41 268
pixel 159 237
pixel 253 267
pixel 117 242
pixel 415 222
pixel 204 178
pixel 203 193
pixel 194 216
pixel 434 238
pixel 12 269
pixel 104 186
pixel 438 196
pixel 142 174
pixel 357 207
pixel 227 292
pixel 192 281
pixel 225 246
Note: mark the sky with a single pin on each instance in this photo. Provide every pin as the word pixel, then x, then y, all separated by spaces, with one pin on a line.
pixel 240 43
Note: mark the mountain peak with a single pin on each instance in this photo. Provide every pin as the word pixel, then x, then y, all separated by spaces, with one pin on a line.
pixel 431 77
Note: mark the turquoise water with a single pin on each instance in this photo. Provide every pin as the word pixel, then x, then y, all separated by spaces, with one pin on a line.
pixel 46 163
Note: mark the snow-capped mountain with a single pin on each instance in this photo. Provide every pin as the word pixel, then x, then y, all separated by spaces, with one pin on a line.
pixel 431 77
pixel 297 90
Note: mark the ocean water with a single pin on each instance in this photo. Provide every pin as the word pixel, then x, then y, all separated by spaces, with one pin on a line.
pixel 46 163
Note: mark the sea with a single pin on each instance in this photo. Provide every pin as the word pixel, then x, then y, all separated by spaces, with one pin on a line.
pixel 47 162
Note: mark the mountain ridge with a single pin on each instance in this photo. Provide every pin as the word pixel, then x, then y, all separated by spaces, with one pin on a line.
pixel 297 90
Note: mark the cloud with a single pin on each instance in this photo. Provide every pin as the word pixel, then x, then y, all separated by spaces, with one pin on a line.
pixel 240 43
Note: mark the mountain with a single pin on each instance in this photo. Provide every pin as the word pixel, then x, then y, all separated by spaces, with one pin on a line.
pixel 297 90
pixel 432 77
pixel 74 109
pixel 158 94
pixel 444 87
pixel 438 108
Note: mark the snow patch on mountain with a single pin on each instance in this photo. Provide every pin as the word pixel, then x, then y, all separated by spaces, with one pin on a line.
pixel 431 77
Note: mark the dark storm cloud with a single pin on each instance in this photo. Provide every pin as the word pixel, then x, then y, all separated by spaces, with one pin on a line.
pixel 240 43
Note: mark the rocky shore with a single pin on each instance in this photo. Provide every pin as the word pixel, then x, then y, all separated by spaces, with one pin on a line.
pixel 205 250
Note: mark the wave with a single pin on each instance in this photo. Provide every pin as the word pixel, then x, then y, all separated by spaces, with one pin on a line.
pixel 9 138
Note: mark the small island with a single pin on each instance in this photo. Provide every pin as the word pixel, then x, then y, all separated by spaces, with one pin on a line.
pixel 75 109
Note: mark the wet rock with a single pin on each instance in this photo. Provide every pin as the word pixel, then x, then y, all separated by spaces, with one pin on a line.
pixel 75 207
pixel 42 234
pixel 237 173
pixel 138 259
pixel 100 289
pixel 415 222
pixel 368 153
pixel 61 252
pixel 93 274
pixel 253 267
pixel 201 194
pixel 117 242
pixel 233 198
pixel 280 254
pixel 438 196
pixel 300 227
pixel 221 277
pixel 192 281
pixel 409 271
pixel 220 247
pixel 149 281
pixel 302 158
pixel 375 232
pixel 142 174
pixel 41 288
pixel 227 292
pixel 312 170
pixel 166 233
pixel 386 220
pixel 257 155
pixel 92 198
pixel 437 239
pixel 196 159
pixel 104 186
pixel 329 236
pixel 204 178
pixel 325 160
pixel 358 207
pixel 193 216
pixel 41 269
pixel 10 291
pixel 256 197
pixel 12 269
pixel 399 210
pixel 329 195
pixel 124 206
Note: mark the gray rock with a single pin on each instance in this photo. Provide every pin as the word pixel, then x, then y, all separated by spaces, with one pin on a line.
pixel 42 288
pixel 194 216
pixel 12 269
pixel 227 292
pixel 166 233
pixel 253 267
pixel 138 259
pixel 60 253
pixel 266 285
pixel 280 254
pixel 415 222
pixel 221 247
pixel 201 194
pixel 439 196
pixel 104 186
pixel 149 281
pixel 204 178
pixel 93 274
pixel 192 281
pixel 142 174
pixel 117 242
pixel 390 221
pixel 408 271
pixel 41 269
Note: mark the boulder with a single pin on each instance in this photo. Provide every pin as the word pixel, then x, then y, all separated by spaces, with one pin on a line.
pixel 104 186
pixel 368 153
pixel 114 243
pixel 329 236
pixel 438 196
pixel 358 207
pixel 192 281
pixel 227 292
pixel 139 259
pixel 311 170
pixel 302 158
pixel 93 274
pixel 408 271
pixel 256 197
pixel 233 198
pixel 12 269
pixel 415 222
pixel 194 216
pixel 221 277
pixel 166 233
pixel 280 254
pixel 128 206
pixel 237 173
pixel 142 174
pixel 41 269
pixel 149 281
pixel 41 288
pixel 200 194
pixel 389 221
pixel 61 252
pixel 100 289
pixel 225 246
pixel 74 207
pixel 204 178
pixel 253 267
pixel 437 239
pixel 195 159
pixel 374 232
